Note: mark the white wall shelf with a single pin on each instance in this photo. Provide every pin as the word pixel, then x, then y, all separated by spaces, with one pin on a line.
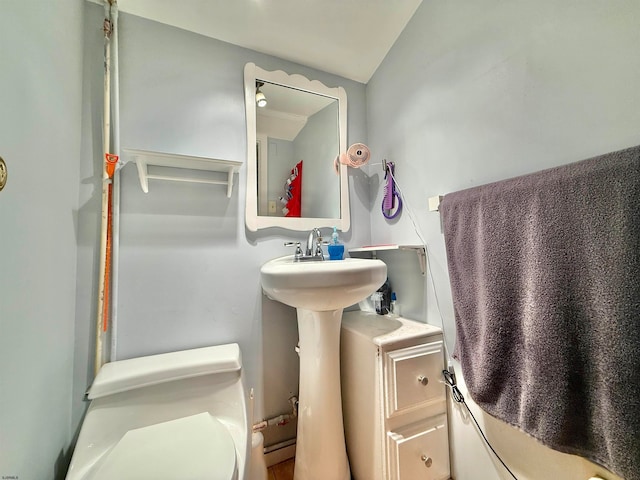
pixel 144 158
pixel 372 249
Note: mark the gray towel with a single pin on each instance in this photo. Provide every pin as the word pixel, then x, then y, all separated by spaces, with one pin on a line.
pixel 545 277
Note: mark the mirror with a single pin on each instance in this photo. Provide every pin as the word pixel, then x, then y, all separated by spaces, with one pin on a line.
pixel 293 142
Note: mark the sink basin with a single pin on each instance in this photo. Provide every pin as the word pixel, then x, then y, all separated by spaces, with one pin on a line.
pixel 322 286
pixel 319 291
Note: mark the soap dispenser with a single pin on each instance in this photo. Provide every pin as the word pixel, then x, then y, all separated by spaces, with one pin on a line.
pixel 336 249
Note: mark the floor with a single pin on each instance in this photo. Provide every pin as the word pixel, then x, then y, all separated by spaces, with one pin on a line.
pixel 281 471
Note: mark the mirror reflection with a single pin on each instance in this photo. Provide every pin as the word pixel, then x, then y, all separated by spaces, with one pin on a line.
pixel 298 139
pixel 296 128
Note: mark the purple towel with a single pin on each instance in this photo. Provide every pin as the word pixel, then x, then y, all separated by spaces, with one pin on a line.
pixel 545 277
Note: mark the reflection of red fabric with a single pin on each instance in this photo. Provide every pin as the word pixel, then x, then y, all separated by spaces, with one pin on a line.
pixel 294 205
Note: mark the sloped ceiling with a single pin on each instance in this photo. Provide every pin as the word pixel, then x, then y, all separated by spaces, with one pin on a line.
pixel 349 38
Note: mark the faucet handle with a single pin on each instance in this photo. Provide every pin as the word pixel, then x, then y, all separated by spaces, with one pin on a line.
pixel 298 253
pixel 319 244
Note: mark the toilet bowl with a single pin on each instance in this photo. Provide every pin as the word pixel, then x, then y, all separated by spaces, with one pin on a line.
pixel 167 416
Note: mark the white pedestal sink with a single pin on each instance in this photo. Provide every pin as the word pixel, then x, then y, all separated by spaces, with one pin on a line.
pixel 319 291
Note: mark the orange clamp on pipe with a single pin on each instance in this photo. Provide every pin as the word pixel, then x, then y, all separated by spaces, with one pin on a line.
pixel 110 164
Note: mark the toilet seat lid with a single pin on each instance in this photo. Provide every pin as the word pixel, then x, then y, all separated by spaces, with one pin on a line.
pixel 195 447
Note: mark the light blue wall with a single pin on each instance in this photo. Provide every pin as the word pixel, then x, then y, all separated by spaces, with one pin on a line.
pixel 189 270
pixel 317 144
pixel 474 92
pixel 40 128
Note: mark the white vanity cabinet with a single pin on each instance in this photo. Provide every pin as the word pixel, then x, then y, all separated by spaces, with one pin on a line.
pixel 393 398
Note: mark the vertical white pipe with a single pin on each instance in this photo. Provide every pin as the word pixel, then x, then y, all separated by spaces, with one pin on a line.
pixel 115 242
pixel 106 130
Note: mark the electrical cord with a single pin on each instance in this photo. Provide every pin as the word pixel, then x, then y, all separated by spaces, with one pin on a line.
pixel 450 380
pixel 428 254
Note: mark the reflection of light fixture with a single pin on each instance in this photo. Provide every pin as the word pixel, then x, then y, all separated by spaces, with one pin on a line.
pixel 261 100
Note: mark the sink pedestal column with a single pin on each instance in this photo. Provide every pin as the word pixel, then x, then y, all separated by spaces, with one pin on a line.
pixel 320 449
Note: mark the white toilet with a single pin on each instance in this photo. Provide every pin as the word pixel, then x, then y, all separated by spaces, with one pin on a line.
pixel 169 416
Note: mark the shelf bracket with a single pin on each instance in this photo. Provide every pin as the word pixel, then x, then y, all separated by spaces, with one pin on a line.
pixel 422 257
pixel 229 182
pixel 142 174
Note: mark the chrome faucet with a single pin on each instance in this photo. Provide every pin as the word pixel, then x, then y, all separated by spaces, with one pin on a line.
pixel 314 243
pixel 313 251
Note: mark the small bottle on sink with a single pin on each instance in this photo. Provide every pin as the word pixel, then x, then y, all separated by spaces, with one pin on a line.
pixel 394 308
pixel 336 249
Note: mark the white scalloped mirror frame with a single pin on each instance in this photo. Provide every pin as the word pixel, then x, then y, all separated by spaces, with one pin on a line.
pixel 254 221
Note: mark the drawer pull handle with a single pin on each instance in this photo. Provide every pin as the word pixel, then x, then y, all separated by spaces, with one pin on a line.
pixel 427 460
pixel 423 380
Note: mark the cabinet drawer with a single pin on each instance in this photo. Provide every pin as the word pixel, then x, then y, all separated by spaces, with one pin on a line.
pixel 420 451
pixel 412 377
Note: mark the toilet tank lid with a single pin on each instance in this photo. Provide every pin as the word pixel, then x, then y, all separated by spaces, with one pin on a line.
pixel 124 375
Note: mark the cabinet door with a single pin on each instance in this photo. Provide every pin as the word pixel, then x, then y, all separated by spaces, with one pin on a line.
pixel 420 451
pixel 413 377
